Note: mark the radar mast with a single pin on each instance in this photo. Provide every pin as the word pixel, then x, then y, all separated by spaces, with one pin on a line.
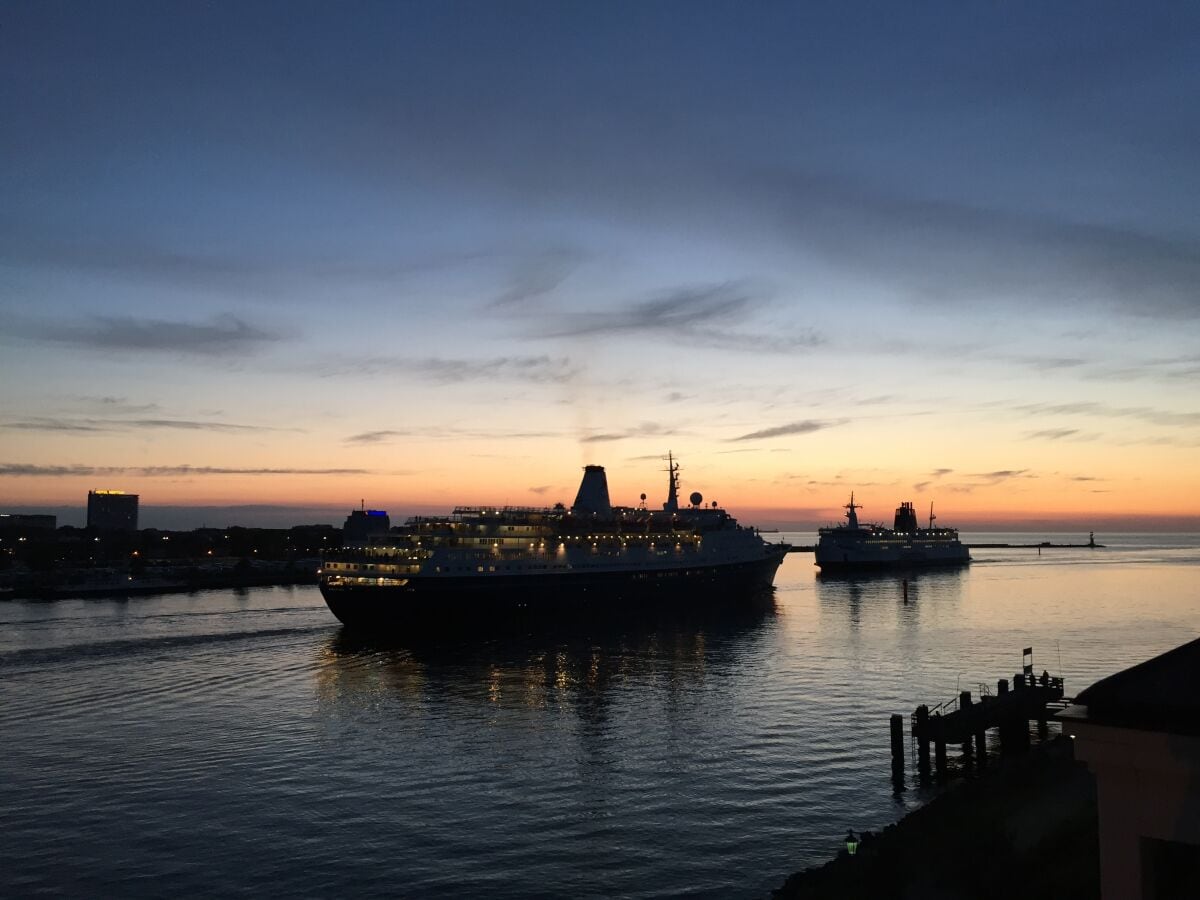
pixel 672 504
pixel 851 516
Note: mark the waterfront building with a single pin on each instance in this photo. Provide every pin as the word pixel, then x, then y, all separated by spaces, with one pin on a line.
pixel 26 521
pixel 112 511
pixel 1139 733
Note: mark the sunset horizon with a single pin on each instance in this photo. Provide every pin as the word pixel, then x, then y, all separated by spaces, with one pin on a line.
pixel 306 260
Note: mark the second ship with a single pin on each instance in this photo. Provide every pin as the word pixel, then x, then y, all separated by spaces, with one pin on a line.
pixel 484 562
pixel 856 547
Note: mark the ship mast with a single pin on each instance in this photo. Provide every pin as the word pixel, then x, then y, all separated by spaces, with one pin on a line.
pixel 672 504
pixel 851 516
pixel 931 515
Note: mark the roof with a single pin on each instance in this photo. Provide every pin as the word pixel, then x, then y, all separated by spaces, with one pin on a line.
pixel 1159 695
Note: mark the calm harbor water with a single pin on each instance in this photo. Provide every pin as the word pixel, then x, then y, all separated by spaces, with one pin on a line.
pixel 226 743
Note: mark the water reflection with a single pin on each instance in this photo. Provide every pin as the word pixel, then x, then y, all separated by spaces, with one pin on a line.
pixel 907 588
pixel 574 666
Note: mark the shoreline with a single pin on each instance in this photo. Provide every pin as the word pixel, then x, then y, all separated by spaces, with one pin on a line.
pixel 1026 826
pixel 151 587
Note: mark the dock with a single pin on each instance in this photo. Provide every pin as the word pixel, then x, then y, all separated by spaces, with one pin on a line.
pixel 965 720
pixel 1046 544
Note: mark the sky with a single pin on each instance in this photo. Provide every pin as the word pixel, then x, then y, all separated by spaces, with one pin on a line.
pixel 264 256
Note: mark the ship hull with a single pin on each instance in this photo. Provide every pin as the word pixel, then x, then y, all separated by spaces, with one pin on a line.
pixel 886 565
pixel 853 559
pixel 445 602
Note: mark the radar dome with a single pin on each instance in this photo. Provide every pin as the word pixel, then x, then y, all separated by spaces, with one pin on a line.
pixel 697 498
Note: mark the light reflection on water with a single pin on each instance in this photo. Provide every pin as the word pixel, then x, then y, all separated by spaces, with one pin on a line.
pixel 218 743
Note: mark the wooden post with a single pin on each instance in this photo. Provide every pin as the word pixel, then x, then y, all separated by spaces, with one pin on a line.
pixel 964 710
pixel 898 743
pixel 922 737
pixel 939 746
pixel 1004 726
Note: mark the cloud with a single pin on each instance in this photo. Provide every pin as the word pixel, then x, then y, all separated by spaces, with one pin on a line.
pixel 540 275
pixel 111 425
pixel 643 429
pixel 540 489
pixel 55 425
pixel 117 405
pixel 1052 434
pixel 372 437
pixel 960 252
pixel 38 471
pixel 443 433
pixel 808 426
pixel 1051 364
pixel 1171 369
pixel 921 485
pixel 535 369
pixel 1001 475
pixel 938 473
pixel 704 316
pixel 1103 410
pixel 221 336
pixel 673 312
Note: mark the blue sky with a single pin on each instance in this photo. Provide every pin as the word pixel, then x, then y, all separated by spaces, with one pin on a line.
pixel 267 252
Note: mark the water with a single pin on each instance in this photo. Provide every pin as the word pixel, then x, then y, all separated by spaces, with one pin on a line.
pixel 238 743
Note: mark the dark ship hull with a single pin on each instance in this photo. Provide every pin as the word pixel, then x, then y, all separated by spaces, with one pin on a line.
pixel 854 562
pixel 461 602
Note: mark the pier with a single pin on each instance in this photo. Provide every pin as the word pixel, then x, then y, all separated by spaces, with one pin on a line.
pixel 965 719
pixel 1048 545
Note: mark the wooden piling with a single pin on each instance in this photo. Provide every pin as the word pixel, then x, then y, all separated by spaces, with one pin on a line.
pixel 939 746
pixel 1004 725
pixel 922 739
pixel 898 743
pixel 964 705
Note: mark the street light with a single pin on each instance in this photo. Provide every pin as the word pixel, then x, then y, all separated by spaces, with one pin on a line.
pixel 851 842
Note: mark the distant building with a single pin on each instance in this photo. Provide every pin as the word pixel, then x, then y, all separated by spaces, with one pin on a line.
pixel 21 520
pixel 363 524
pixel 112 511
pixel 1139 733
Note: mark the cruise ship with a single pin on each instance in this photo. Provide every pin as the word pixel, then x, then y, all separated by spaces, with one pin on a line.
pixel 858 546
pixel 479 562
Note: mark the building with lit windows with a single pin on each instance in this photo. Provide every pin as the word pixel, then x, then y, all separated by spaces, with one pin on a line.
pixel 112 511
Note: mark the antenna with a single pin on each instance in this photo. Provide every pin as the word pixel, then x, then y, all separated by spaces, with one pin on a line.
pixel 851 516
pixel 672 504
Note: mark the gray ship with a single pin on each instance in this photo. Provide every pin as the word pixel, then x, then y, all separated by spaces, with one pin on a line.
pixel 856 546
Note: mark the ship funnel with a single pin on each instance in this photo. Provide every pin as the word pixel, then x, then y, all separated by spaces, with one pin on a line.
pixel 593 493
pixel 906 518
